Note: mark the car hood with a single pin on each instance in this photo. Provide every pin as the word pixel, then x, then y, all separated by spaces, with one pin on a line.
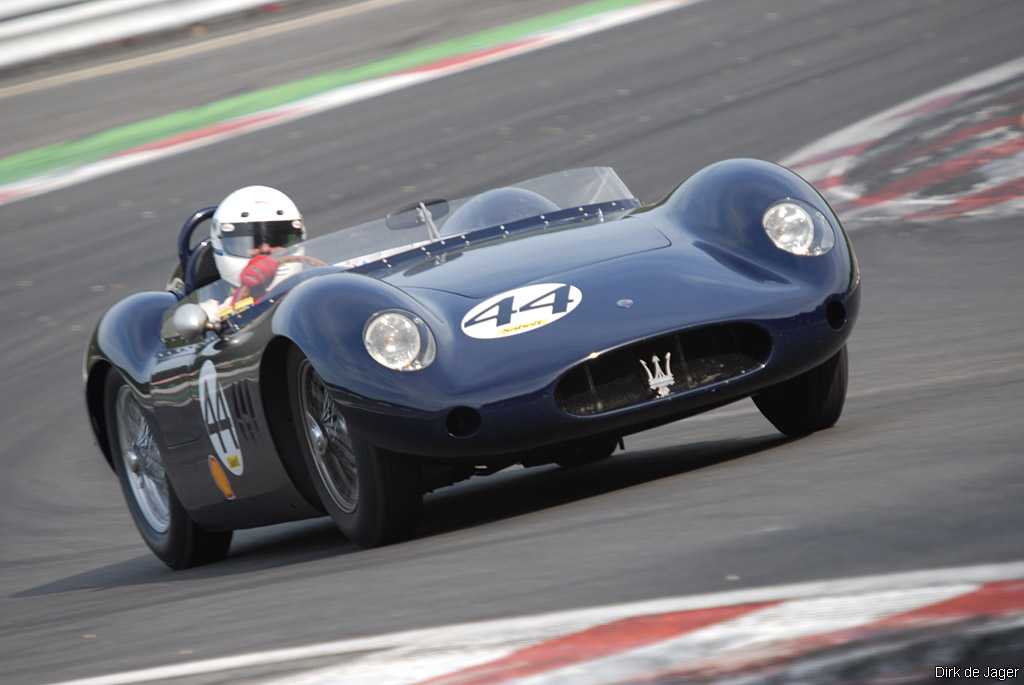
pixel 483 269
pixel 481 356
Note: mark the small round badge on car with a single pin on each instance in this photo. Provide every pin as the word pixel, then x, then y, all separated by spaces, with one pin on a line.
pixel 624 304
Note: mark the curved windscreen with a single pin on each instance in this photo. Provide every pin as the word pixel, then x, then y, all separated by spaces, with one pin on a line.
pixel 533 202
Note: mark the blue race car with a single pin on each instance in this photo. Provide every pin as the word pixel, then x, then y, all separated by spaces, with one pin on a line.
pixel 536 323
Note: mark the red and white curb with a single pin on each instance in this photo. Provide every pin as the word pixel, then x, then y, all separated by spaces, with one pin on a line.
pixel 335 98
pixel 790 631
pixel 956 151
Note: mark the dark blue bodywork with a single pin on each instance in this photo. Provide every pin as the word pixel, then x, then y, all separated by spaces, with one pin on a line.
pixel 697 259
pixel 699 263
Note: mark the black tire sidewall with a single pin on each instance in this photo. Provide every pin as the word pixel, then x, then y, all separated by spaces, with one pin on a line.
pixel 183 544
pixel 809 402
pixel 383 513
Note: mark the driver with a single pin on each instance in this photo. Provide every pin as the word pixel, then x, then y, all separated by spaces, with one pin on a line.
pixel 249 227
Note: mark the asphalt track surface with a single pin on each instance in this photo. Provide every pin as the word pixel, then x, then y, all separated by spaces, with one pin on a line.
pixel 923 471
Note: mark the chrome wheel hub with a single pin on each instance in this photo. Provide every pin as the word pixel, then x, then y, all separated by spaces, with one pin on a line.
pixel 145 472
pixel 328 438
pixel 317 438
pixel 131 457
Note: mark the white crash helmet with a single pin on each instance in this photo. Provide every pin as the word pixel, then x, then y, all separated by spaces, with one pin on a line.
pixel 248 218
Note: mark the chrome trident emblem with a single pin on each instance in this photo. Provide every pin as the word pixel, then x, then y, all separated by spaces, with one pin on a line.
pixel 660 380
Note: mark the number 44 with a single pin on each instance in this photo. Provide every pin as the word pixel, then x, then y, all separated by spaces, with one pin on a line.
pixel 502 311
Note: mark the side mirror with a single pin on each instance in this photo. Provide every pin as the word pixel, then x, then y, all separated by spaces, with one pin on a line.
pixel 191 321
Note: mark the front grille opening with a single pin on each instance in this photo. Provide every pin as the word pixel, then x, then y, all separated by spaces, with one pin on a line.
pixel 694 359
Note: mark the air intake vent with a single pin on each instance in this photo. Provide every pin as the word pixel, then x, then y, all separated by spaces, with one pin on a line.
pixel 663 366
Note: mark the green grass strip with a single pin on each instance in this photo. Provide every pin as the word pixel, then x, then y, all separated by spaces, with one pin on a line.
pixel 98 146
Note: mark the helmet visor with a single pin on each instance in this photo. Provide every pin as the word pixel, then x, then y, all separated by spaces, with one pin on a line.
pixel 243 240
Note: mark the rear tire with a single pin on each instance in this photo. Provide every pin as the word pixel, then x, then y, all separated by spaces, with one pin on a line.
pixel 373 496
pixel 810 402
pixel 158 514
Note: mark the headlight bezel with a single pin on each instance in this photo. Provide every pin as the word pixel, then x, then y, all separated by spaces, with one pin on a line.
pixel 409 358
pixel 799 228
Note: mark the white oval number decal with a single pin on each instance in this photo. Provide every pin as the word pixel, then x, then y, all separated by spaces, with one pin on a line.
pixel 520 310
pixel 217 418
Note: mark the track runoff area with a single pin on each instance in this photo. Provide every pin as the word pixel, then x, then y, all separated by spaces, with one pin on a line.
pixel 947 624
pixel 957 151
pixel 953 152
pixel 63 164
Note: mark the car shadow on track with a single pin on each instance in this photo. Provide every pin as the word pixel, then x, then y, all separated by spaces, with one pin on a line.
pixel 289 544
pixel 484 500
pixel 473 503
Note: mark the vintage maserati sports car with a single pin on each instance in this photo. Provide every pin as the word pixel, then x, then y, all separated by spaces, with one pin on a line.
pixel 537 323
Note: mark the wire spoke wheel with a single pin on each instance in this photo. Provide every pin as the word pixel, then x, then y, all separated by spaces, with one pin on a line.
pixel 146 474
pixel 327 436
pixel 158 514
pixel 372 495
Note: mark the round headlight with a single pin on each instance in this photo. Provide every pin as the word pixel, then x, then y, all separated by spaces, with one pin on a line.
pixel 798 228
pixel 399 340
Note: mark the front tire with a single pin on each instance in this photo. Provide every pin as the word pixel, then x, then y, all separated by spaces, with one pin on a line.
pixel 161 519
pixel 810 402
pixel 373 496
